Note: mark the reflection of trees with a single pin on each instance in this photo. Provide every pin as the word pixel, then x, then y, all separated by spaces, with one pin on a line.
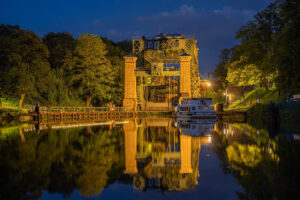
pixel 60 161
pixel 240 156
pixel 171 177
pixel 266 169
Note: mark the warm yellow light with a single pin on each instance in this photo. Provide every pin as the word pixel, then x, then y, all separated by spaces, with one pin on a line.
pixel 208 84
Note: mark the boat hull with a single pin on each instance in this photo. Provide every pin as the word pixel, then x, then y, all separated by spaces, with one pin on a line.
pixel 190 115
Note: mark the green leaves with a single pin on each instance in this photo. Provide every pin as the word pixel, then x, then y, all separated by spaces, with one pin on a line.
pixel 240 74
pixel 270 42
pixel 61 70
pixel 24 65
pixel 92 74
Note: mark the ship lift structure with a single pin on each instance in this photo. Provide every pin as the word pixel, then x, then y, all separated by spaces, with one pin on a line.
pixel 159 71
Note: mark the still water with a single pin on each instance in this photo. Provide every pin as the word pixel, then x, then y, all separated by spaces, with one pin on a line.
pixel 153 158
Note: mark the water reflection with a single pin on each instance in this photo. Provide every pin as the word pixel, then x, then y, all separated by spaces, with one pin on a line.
pixel 266 167
pixel 157 155
pixel 146 154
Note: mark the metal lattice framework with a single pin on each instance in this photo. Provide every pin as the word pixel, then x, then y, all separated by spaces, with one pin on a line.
pixel 158 68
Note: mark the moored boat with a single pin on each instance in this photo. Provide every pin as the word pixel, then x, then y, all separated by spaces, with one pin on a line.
pixel 196 108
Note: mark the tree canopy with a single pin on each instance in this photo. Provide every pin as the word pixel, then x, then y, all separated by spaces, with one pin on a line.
pixel 24 66
pixel 61 70
pixel 269 44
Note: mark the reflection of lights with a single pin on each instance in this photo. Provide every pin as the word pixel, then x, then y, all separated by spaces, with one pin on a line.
pixel 257 132
pixel 270 150
pixel 209 139
pixel 225 131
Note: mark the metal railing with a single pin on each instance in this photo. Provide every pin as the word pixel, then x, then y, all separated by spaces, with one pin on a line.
pixel 42 109
pixel 82 109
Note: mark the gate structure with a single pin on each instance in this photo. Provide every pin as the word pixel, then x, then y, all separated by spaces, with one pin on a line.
pixel 159 71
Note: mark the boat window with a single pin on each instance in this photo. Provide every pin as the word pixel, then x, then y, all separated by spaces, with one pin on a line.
pixel 206 107
pixel 193 127
pixel 212 108
pixel 199 107
pixel 185 126
pixel 193 108
pixel 184 109
pixel 199 127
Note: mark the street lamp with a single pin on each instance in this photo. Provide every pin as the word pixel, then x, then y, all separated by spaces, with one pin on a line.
pixel 226 95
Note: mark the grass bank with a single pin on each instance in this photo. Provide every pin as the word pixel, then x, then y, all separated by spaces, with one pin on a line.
pixel 257 113
pixel 9 110
pixel 251 98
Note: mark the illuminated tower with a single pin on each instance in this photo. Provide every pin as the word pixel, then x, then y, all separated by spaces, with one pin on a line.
pixel 130 100
pixel 185 75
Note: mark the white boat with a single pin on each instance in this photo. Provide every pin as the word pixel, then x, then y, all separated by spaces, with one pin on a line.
pixel 196 108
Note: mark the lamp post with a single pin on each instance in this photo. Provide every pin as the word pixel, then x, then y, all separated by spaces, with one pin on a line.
pixel 202 83
pixel 226 96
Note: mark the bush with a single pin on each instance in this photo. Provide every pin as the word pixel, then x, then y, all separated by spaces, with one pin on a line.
pixel 258 114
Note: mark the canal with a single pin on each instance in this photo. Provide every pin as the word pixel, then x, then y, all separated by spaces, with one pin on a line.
pixel 148 158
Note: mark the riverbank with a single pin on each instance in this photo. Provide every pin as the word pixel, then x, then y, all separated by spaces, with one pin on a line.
pixel 260 115
pixel 257 105
pixel 9 110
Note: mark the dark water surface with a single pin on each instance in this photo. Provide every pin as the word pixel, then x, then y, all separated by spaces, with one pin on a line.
pixel 148 159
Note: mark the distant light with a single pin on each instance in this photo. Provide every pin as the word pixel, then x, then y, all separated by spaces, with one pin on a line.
pixel 208 84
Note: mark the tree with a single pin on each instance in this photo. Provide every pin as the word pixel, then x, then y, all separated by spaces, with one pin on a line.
pixel 60 46
pixel 115 55
pixel 92 73
pixel 221 70
pixel 24 66
pixel 241 74
pixel 256 41
pixel 285 49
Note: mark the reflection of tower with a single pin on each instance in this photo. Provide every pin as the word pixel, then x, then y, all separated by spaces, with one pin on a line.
pixel 196 147
pixel 130 131
pixel 185 154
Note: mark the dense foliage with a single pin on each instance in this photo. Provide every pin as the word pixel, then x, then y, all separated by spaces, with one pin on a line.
pixel 61 70
pixel 268 50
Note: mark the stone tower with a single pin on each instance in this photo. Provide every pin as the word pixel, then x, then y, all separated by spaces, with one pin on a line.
pixel 130 100
pixel 185 75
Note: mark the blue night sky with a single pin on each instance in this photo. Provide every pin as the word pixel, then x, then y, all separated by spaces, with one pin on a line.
pixel 212 22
